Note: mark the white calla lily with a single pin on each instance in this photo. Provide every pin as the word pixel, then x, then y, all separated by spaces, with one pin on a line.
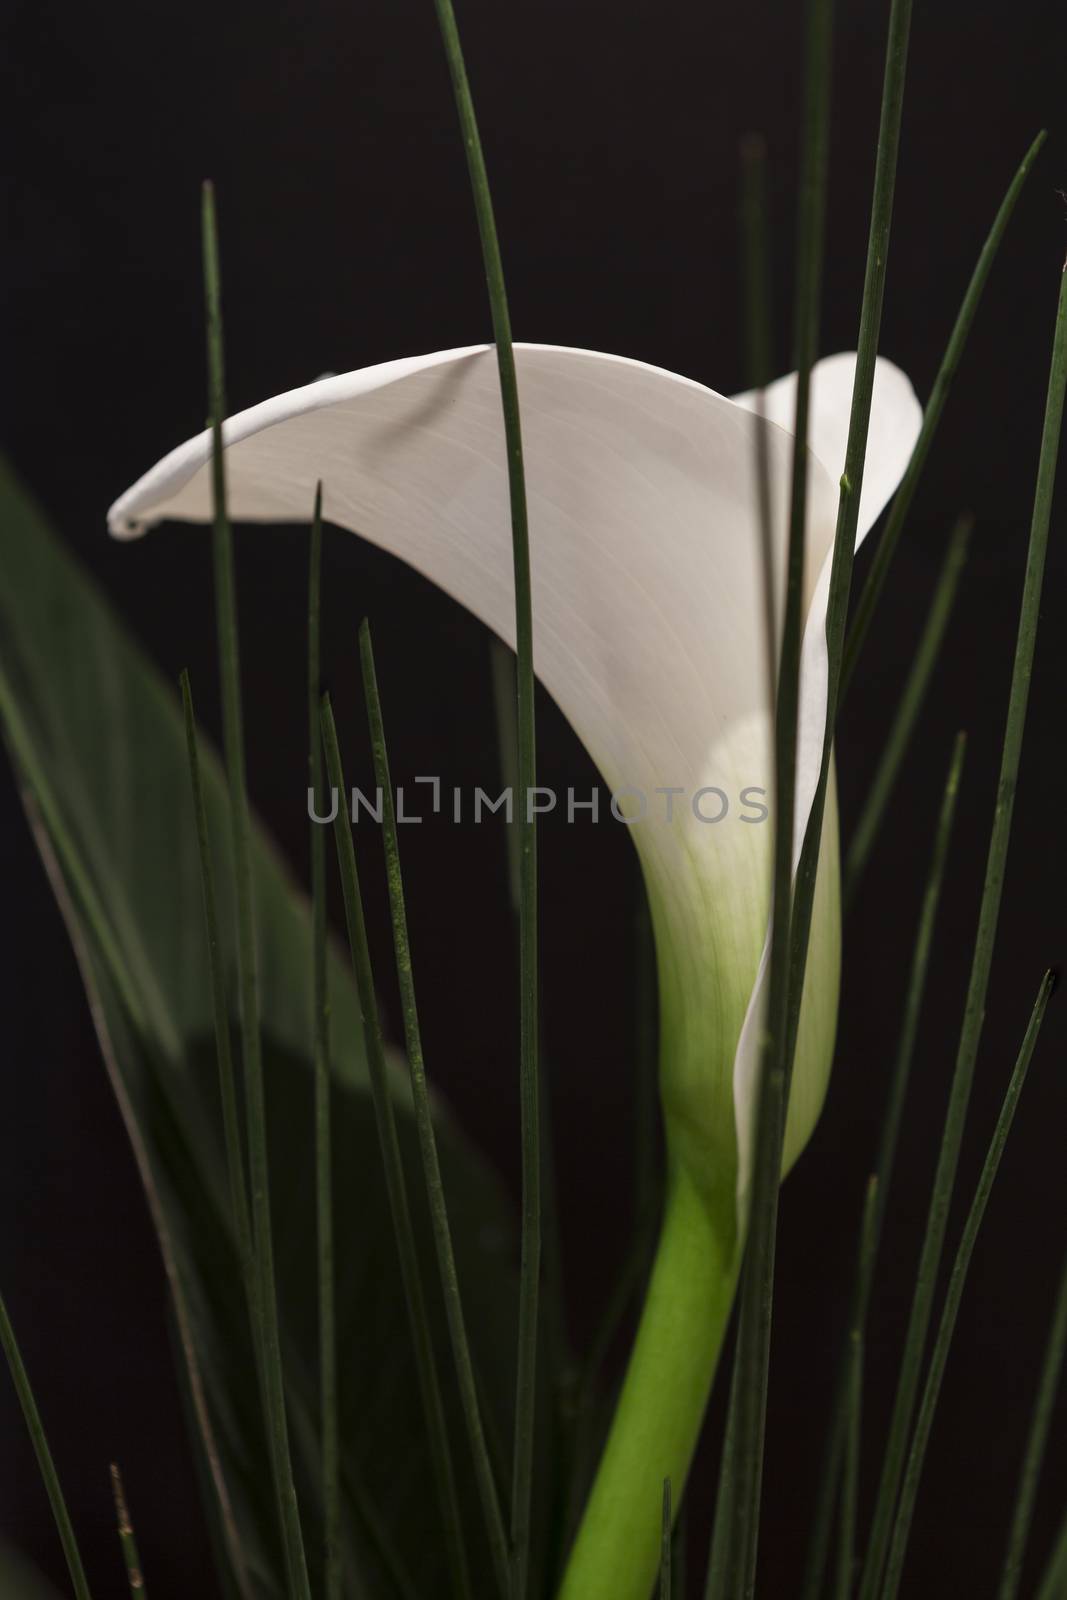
pixel 648 607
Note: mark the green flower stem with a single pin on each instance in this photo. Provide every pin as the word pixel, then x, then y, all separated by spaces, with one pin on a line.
pixel 661 1407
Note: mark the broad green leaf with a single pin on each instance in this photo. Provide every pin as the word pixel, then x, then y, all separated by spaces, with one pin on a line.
pixel 96 737
pixel 20 1580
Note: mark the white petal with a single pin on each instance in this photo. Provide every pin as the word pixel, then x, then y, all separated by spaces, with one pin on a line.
pixel 647 601
pixel 896 417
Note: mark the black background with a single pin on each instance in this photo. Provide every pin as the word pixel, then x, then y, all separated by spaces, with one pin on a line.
pixel 611 129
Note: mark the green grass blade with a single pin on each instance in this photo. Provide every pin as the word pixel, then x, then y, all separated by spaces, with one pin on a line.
pixel 231 1121
pixel 665 1584
pixel 1051 1369
pixel 898 511
pixel 722 1527
pixel 852 477
pixel 826 1495
pixel 1054 1583
pixel 564 1375
pixel 680 1554
pixel 888 1139
pixel 954 1294
pixel 981 964
pixel 431 1166
pixel 265 1300
pixel 957 1283
pixel 911 701
pixel 530 1098
pixel 768 1150
pixel 127 1539
pixel 756 271
pixel 502 673
pixel 331 1436
pixel 47 1466
pixel 743 1472
pixel 392 1163
pixel 846 1545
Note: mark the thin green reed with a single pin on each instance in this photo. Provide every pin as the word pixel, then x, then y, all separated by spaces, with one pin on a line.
pixel 265 1303
pixel 733 1550
pixel 981 965
pixel 868 598
pixel 529 1067
pixel 392 1163
pixel 915 990
pixel 908 708
pixel 47 1466
pixel 853 1388
pixel 431 1166
pixel 231 1120
pixel 320 999
pixel 953 1296
pixel 756 1312
pixel 1033 1458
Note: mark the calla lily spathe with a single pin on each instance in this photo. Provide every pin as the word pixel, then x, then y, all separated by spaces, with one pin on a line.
pixel 647 602
pixel 648 606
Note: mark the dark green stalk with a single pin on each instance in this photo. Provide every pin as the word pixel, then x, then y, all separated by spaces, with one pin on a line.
pixel 785 997
pixel 665 1548
pixel 954 1294
pixel 564 1375
pixel 502 668
pixel 331 1440
pixel 1054 1583
pixel 908 709
pixel 744 1472
pixel 756 268
pixel 265 1299
pixel 852 478
pixel 846 1547
pixel 887 1146
pixel 981 964
pixel 431 1166
pixel 1030 1475
pixel 44 1456
pixel 231 1120
pixel 680 1554
pixel 530 1272
pixel 392 1163
pixel 722 1527
pixel 950 361
pixel 134 1573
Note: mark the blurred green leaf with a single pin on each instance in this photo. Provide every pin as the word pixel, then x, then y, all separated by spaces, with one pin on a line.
pixel 96 737
pixel 19 1580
